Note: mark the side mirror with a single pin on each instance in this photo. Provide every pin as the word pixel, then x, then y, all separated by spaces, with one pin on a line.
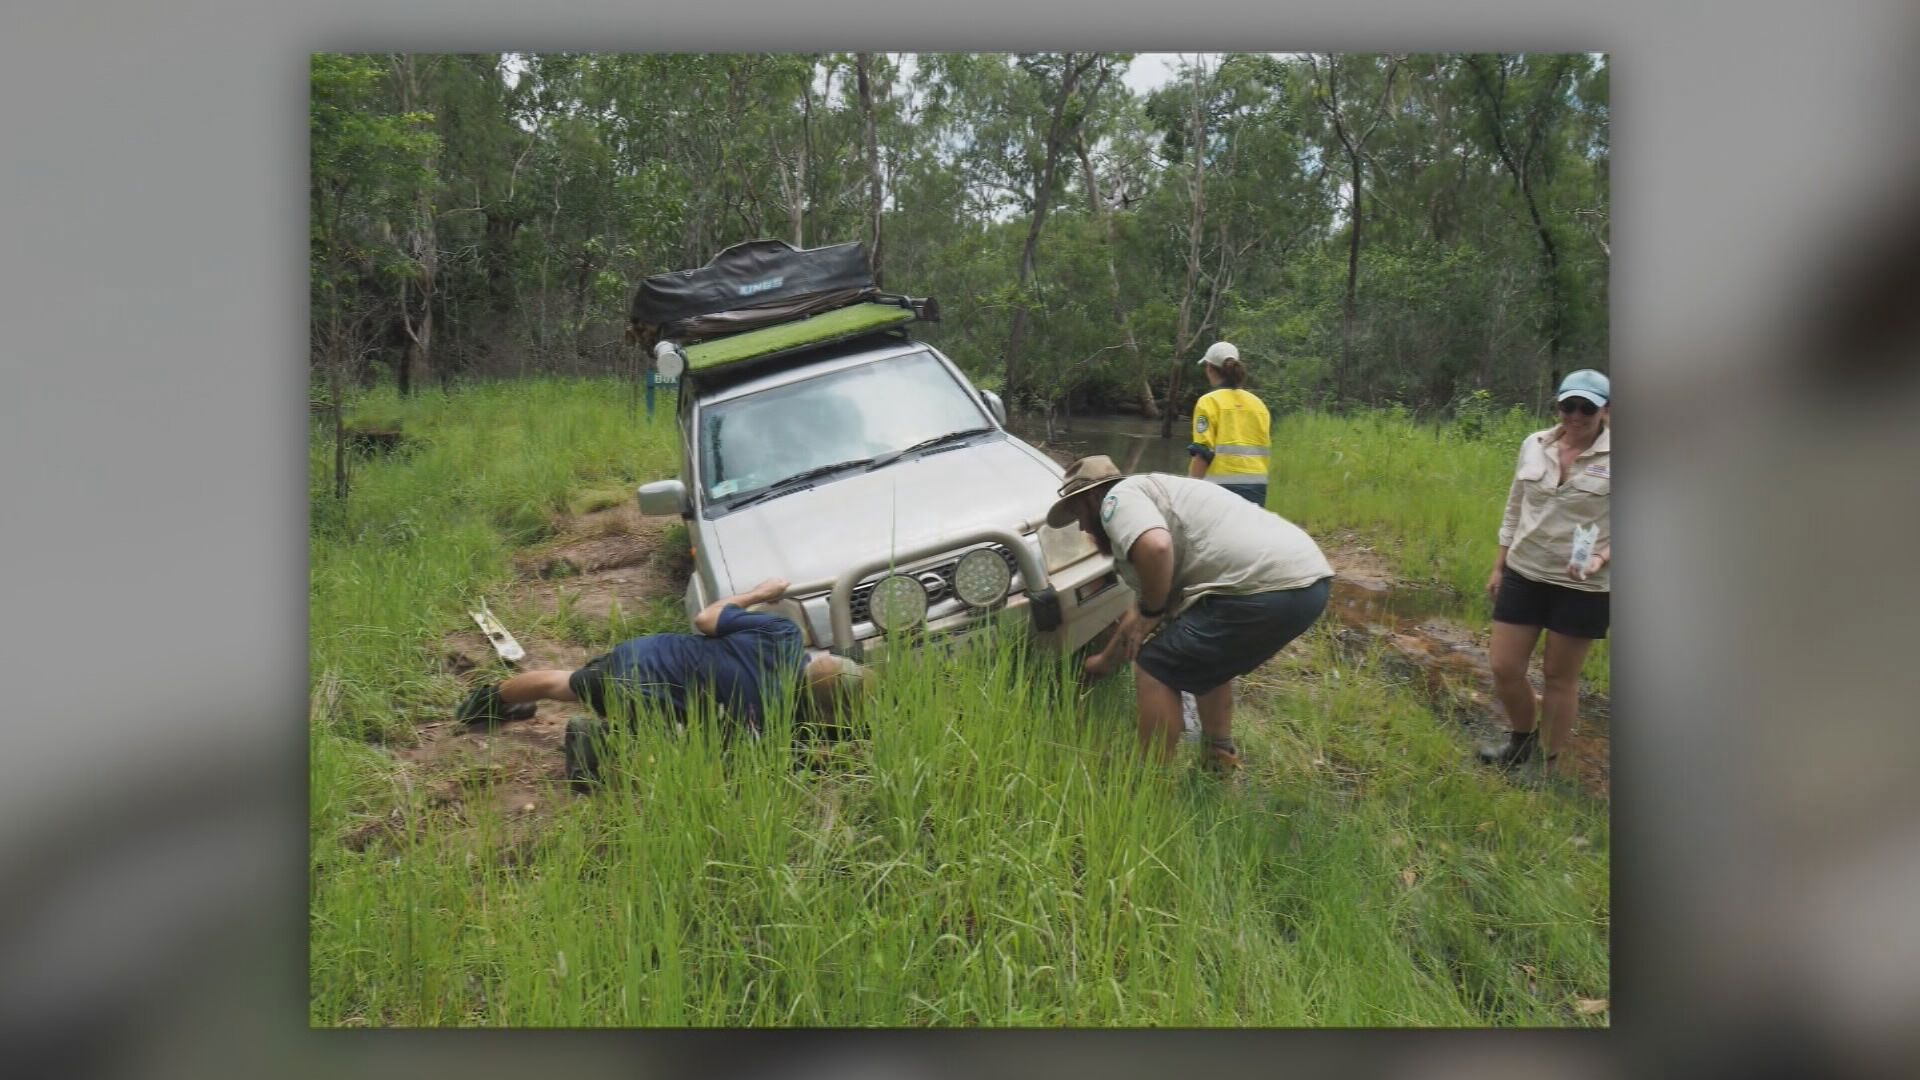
pixel 995 406
pixel 664 498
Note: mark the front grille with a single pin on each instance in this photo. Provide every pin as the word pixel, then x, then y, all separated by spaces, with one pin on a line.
pixel 937 578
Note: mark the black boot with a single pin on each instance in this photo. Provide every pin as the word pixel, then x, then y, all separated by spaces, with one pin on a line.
pixel 1220 757
pixel 1519 746
pixel 483 707
pixel 582 752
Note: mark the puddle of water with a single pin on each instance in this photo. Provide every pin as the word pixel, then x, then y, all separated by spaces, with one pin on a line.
pixel 1418 637
pixel 1375 604
pixel 1440 653
pixel 1132 442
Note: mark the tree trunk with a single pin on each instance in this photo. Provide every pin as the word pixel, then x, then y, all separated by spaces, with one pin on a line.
pixel 1350 304
pixel 802 159
pixel 797 208
pixel 1057 135
pixel 1196 225
pixel 423 243
pixel 1149 408
pixel 1556 318
pixel 1556 325
pixel 498 240
pixel 876 192
pixel 337 391
pixel 1099 210
pixel 1353 142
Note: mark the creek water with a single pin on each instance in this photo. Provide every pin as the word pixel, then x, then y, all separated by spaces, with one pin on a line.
pixel 1133 442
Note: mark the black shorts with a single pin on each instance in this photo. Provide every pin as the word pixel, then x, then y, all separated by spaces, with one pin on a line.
pixel 594 685
pixel 1523 601
pixel 1222 636
pixel 1253 493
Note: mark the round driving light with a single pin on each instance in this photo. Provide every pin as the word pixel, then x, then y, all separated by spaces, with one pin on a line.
pixel 668 360
pixel 897 602
pixel 982 578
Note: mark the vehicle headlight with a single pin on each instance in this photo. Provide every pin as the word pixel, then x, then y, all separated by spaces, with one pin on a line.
pixel 897 602
pixel 982 578
pixel 1064 547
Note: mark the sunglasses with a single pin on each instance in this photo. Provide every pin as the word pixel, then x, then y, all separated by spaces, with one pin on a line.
pixel 1578 405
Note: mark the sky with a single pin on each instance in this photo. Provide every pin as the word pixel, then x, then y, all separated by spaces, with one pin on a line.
pixel 1149 71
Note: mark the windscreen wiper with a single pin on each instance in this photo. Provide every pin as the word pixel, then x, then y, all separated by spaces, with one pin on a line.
pixel 926 444
pixel 781 487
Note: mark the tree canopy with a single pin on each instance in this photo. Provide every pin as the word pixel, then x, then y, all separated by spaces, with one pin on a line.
pixel 1369 229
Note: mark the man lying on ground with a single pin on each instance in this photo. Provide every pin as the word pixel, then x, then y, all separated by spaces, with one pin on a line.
pixel 740 660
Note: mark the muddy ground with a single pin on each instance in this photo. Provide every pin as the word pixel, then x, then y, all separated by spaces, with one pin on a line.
pixel 594 562
pixel 1446 660
pixel 615 556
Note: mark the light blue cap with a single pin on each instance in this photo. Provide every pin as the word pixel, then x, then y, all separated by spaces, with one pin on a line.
pixel 1586 383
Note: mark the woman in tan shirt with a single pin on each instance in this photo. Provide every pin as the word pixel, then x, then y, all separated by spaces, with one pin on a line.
pixel 1556 510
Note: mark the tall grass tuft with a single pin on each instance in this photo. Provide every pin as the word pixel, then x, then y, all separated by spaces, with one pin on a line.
pixel 1429 495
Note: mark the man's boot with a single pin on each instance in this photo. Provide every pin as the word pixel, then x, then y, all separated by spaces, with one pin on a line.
pixel 581 750
pixel 483 707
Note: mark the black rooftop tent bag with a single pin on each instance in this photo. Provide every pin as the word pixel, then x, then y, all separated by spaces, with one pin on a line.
pixel 751 284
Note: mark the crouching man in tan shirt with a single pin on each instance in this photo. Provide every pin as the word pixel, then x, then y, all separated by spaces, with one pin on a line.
pixel 1236 581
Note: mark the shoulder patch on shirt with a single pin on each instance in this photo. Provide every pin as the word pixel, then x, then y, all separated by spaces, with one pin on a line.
pixel 1107 508
pixel 1200 424
pixel 1600 471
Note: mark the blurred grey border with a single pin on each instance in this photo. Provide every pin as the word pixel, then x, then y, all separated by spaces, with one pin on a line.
pixel 153 551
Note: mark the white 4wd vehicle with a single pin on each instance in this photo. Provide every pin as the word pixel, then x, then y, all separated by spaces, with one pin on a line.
pixel 873 476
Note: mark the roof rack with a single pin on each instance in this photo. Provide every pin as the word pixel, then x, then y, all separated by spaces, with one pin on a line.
pixel 735 353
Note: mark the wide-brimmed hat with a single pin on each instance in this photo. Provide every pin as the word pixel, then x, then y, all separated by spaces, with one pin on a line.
pixel 1586 383
pixel 1095 472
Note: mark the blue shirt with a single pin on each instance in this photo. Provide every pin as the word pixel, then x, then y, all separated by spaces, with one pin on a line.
pixel 751 659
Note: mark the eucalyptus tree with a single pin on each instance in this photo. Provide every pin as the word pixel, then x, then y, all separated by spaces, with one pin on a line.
pixel 1011 124
pixel 1355 94
pixel 1524 105
pixel 367 166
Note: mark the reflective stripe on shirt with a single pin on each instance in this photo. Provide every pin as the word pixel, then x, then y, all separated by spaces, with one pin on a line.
pixel 1233 427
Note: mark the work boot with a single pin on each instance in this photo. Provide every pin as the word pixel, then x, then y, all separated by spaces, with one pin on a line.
pixel 483 707
pixel 1518 748
pixel 1220 757
pixel 582 751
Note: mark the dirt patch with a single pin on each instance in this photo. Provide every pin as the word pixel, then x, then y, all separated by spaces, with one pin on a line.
pixel 604 558
pixel 609 539
pixel 1410 632
pixel 1358 561
pixel 594 562
pixel 1447 661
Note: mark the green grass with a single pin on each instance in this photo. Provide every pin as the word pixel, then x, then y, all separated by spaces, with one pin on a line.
pixel 989 849
pixel 428 534
pixel 1430 496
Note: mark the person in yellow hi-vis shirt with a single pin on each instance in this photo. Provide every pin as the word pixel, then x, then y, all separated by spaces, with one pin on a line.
pixel 1231 441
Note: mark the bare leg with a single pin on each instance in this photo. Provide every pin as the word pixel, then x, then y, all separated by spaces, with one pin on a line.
pixel 1561 699
pixel 1159 705
pixel 1216 711
pixel 548 685
pixel 1512 647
